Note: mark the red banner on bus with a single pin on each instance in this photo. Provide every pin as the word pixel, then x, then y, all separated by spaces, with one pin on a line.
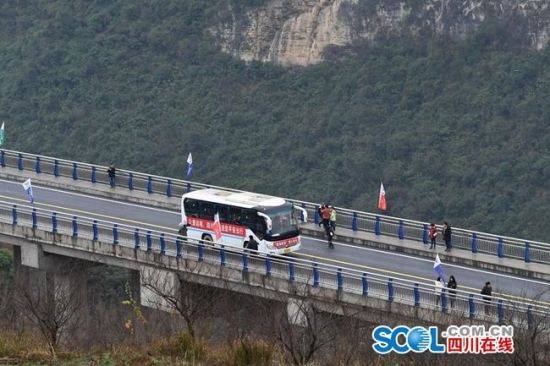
pixel 208 225
pixel 279 244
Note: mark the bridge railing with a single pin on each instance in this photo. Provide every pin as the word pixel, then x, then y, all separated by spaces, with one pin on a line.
pixel 500 308
pixel 403 229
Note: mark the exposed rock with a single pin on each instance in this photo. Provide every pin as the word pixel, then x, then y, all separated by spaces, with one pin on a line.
pixel 298 31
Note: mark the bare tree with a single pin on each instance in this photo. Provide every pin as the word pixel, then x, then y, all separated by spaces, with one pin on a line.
pixel 176 292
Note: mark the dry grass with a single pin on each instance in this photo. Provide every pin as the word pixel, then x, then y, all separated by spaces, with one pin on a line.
pixel 244 352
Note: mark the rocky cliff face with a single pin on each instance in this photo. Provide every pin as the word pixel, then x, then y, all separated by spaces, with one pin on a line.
pixel 297 32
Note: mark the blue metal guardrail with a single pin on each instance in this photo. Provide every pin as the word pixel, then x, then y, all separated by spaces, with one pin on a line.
pixel 477 242
pixel 499 309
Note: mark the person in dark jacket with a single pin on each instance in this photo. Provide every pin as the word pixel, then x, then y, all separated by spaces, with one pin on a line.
pixel 112 174
pixel 252 244
pixel 447 234
pixel 487 296
pixel 433 235
pixel 451 285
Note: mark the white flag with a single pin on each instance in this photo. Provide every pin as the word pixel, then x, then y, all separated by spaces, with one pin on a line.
pixel 2 135
pixel 189 165
pixel 27 186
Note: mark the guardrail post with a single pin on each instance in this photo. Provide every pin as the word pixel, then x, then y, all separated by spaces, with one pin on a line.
pixel 267 266
pixel 54 223
pixel 115 234
pixel 401 230
pixel 34 219
pixel 316 218
pixel 315 275
pixel 201 251
pixel 169 188
pixel 3 159
pixel 75 227
pixel 56 168
pixel 130 181
pixel 425 233
pixel 500 248
pixel 149 185
pixel 20 162
pixel 75 174
pixel 390 289
pixel 162 244
pixel 365 283
pixel 14 215
pixel 178 247
pixel 377 225
pixel 527 253
pixel 188 187
pixel 354 222
pixel 149 241
pixel 416 295
pixel 94 174
pixel 500 311
pixel 37 167
pixel 529 317
pixel 245 262
pixel 340 279
pixel 291 272
pixel 136 238
pixel 474 243
pixel 95 231
pixel 471 306
pixel 443 302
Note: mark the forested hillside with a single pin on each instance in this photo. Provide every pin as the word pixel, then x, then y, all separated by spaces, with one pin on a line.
pixel 457 130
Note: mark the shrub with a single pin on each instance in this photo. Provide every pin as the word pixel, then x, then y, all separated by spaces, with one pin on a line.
pixel 250 352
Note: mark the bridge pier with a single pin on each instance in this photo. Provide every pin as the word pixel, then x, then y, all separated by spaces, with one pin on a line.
pixel 52 287
pixel 156 286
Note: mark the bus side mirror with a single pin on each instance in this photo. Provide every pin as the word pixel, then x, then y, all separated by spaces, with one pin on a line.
pixel 268 222
pixel 304 213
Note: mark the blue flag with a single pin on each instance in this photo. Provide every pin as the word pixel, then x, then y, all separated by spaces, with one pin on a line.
pixel 438 268
pixel 27 186
pixel 189 165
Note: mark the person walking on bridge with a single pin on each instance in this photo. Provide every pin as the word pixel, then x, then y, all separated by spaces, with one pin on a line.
pixel 325 221
pixel 451 285
pixel 487 296
pixel 447 235
pixel 111 171
pixel 333 219
pixel 433 235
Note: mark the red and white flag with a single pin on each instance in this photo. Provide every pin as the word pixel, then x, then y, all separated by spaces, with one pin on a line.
pixel 382 198
pixel 217 227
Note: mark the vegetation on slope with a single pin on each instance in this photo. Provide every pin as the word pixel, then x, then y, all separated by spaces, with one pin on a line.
pixel 456 130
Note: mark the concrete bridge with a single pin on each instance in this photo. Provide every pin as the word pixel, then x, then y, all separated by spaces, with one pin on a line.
pixel 386 254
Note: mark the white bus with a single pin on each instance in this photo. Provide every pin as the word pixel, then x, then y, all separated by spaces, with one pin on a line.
pixel 271 221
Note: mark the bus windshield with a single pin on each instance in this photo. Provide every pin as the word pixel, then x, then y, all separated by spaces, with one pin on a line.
pixel 282 218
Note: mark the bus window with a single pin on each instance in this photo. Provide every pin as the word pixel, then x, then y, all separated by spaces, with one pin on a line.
pixel 192 207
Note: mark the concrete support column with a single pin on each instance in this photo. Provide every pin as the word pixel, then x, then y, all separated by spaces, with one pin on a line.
pixel 156 285
pixel 297 310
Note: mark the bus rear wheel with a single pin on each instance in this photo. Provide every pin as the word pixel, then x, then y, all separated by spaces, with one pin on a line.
pixel 207 239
